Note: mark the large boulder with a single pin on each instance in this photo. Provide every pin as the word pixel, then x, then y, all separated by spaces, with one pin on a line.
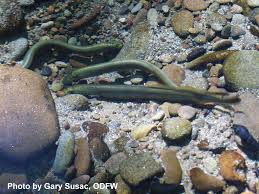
pixel 241 70
pixel 28 118
pixel 10 16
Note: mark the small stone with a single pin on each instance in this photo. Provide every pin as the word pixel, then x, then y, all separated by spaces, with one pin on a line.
pixel 171 164
pixel 170 108
pixel 204 182
pixel 214 18
pixel 138 168
pixel 113 163
pixel 26 2
pixel 226 31
pixel 175 73
pixel 99 149
pixel 225 1
pixel 82 161
pixel 238 19
pixel 72 41
pixel 47 25
pixel 222 44
pixel 142 131
pixel 253 3
pixel 195 53
pixel 216 27
pixel 237 31
pixel 137 7
pixel 182 21
pixel 166 58
pixel 95 129
pixel 176 129
pixel 196 5
pixel 65 152
pixel 231 165
pixel 187 112
pixel 158 116
pixel 46 71
pixel 165 8
pixel 235 9
pixel 137 79
pixel 57 85
pixel 152 17
pixel 200 39
pixel 231 190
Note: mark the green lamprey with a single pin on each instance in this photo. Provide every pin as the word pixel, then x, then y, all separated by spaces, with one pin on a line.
pixel 214 57
pixel 146 93
pixel 115 66
pixel 29 56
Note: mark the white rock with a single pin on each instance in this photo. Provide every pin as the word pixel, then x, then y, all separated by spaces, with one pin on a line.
pixel 253 3
pixel 142 131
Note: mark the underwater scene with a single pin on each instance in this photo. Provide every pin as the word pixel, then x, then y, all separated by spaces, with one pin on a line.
pixel 129 96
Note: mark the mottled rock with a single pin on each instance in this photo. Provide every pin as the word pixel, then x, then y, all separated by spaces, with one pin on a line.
pixel 73 102
pixel 113 163
pixel 231 164
pixel 182 21
pixel 26 2
pixel 65 152
pixel 170 108
pixel 175 73
pixel 123 187
pixel 171 164
pixel 253 3
pixel 99 149
pixel 241 70
pixel 138 168
pixel 10 16
pixel 176 129
pixel 214 18
pixel 82 161
pixel 195 53
pixel 222 44
pixel 31 118
pixel 204 182
pixel 95 129
pixel 196 5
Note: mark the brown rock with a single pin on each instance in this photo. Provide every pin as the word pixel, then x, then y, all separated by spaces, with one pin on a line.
pixel 173 170
pixel 99 149
pixel 28 118
pixel 95 129
pixel 229 162
pixel 196 5
pixel 10 16
pixel 113 163
pixel 83 157
pixel 182 21
pixel 175 73
pixel 204 182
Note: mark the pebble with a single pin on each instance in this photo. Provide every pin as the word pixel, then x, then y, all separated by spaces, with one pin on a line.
pixel 195 53
pixel 152 17
pixel 174 73
pixel 137 79
pixel 26 2
pixel 226 31
pixel 46 71
pixel 235 9
pixel 231 165
pixel 176 129
pixel 253 3
pixel 238 19
pixel 47 25
pixel 57 85
pixel 237 31
pixel 142 131
pixel 137 7
pixel 215 18
pixel 222 44
pixel 82 161
pixel 73 102
pixel 182 21
pixel 204 182
pixel 113 163
pixel 196 5
pixel 122 187
pixel 139 168
pixel 64 153
pixel 166 58
pixel 187 112
pixel 173 171
pixel 165 8
pixel 99 149
pixel 158 116
pixel 200 39
pixel 210 164
pixel 95 129
pixel 170 109
pixel 72 41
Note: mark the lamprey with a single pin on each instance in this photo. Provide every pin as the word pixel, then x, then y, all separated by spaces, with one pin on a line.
pixel 214 57
pixel 29 56
pixel 146 93
pixel 115 66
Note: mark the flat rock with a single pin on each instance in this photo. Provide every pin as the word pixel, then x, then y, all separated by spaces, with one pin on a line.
pixel 182 21
pixel 73 102
pixel 241 70
pixel 113 163
pixel 10 16
pixel 247 113
pixel 138 168
pixel 27 114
